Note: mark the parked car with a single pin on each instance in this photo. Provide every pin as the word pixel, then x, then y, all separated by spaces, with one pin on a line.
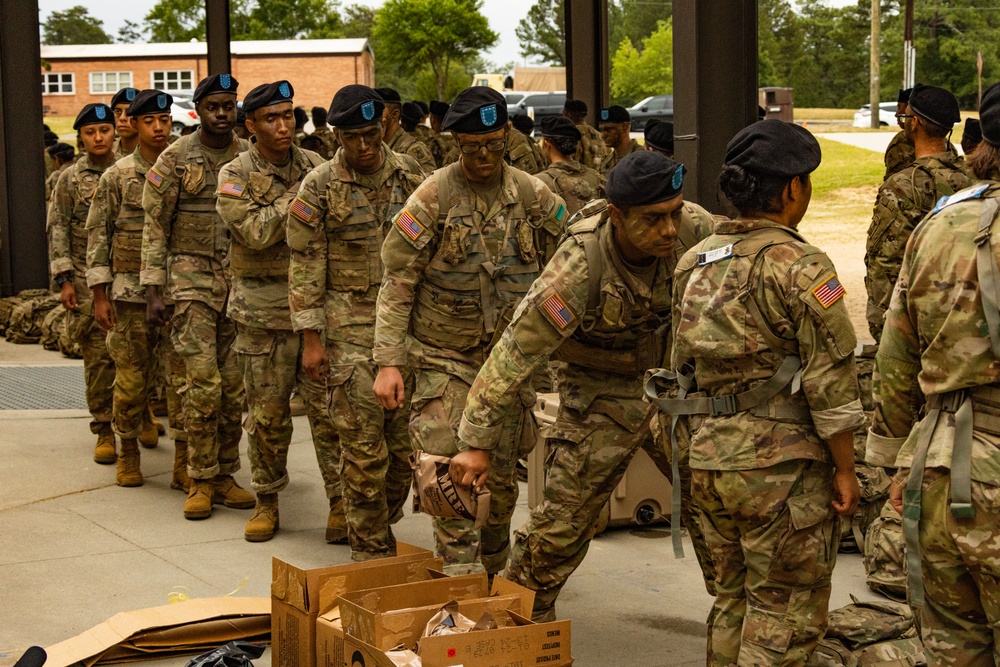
pixel 660 107
pixel 182 114
pixel 538 106
pixel 886 115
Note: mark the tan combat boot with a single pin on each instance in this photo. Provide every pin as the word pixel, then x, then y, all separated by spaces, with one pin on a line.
pixel 104 451
pixel 179 479
pixel 199 502
pixel 231 494
pixel 336 523
pixel 128 464
pixel 149 437
pixel 264 522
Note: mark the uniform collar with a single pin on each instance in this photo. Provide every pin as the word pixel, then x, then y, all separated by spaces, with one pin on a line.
pixel 725 226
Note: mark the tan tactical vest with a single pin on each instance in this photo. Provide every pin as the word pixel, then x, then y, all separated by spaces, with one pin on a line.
pixel 575 188
pixel 198 229
pixel 126 243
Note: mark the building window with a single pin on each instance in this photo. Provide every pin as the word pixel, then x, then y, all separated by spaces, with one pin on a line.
pixel 173 80
pixel 58 83
pixel 109 82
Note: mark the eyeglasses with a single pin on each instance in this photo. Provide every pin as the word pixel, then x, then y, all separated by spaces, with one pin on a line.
pixel 905 115
pixel 494 146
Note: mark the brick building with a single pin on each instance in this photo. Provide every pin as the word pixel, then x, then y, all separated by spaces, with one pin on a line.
pixel 86 73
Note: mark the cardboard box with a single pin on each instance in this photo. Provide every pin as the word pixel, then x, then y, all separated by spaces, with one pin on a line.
pixel 299 595
pixel 183 628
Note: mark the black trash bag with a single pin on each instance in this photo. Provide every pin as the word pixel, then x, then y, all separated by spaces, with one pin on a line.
pixel 33 657
pixel 233 654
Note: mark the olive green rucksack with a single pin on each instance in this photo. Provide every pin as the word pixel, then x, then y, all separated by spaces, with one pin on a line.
pixel 870 634
pixel 8 304
pixel 25 325
pixel 885 555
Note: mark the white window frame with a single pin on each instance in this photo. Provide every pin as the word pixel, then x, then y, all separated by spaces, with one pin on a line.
pixel 162 85
pixel 59 83
pixel 123 79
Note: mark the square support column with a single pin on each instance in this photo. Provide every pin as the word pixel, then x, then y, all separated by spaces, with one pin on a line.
pixel 217 36
pixel 587 60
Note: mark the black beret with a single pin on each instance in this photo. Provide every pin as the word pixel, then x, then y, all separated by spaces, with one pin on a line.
pixel 355 106
pixel 439 109
pixel 150 101
pixel 937 105
pixel 62 151
pixel 644 177
pixel 523 123
pixel 301 117
pixel 615 114
pixel 575 106
pixel 241 115
pixel 217 83
pixel 94 114
pixel 423 106
pixel 476 110
pixel 389 95
pixel 904 95
pixel 124 96
pixel 50 138
pixel 659 134
pixel 267 94
pixel 560 127
pixel 973 130
pixel 989 114
pixel 776 148
pixel 318 115
pixel 412 113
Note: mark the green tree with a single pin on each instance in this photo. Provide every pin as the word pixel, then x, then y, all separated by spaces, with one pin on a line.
pixel 542 32
pixel 74 26
pixel 635 74
pixel 415 33
pixel 130 33
pixel 184 20
pixel 176 21
pixel 635 19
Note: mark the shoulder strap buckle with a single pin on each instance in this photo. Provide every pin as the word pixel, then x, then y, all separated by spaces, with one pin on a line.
pixel 723 405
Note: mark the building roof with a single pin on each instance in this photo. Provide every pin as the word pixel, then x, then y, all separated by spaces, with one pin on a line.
pixel 255 47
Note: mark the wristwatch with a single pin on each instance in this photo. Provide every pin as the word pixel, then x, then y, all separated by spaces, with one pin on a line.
pixel 63 278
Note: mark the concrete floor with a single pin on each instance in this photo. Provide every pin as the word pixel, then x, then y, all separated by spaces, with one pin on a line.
pixel 75 549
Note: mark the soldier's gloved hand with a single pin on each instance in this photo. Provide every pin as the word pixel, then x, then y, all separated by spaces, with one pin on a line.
pixel 67 295
pixel 846 492
pixel 471 467
pixel 156 309
pixel 388 388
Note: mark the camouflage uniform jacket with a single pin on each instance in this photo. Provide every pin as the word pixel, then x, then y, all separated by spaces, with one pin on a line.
pixel 336 227
pixel 115 223
pixel 520 153
pixel 119 150
pixel 253 200
pixel 405 143
pixel 423 134
pixel 444 148
pixel 935 340
pixel 898 155
pixel 50 181
pixel 184 242
pixel 329 139
pixel 299 135
pixel 591 150
pixel 575 183
pixel 455 272
pixel 611 158
pixel 606 346
pixel 50 163
pixel 794 286
pixel 903 201
pixel 67 221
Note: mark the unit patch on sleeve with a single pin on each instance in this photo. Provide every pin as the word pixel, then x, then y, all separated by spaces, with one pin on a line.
pixel 409 225
pixel 828 293
pixel 556 311
pixel 232 189
pixel 302 210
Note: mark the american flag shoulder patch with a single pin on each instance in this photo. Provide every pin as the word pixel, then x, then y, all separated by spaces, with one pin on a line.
pixel 409 225
pixel 829 291
pixel 154 177
pixel 556 310
pixel 302 210
pixel 232 189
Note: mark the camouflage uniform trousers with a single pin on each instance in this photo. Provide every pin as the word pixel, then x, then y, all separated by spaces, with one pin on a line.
pixel 212 393
pixel 132 344
pixel 375 467
pixel 98 368
pixel 172 369
pixel 960 622
pixel 271 362
pixel 773 537
pixel 438 402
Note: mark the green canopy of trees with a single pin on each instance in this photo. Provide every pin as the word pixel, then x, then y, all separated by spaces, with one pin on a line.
pixel 74 26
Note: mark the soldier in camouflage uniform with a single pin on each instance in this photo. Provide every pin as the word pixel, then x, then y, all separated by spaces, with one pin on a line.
pixel 658 135
pixel 940 357
pixel 184 248
pixel 67 234
pixel 910 194
pixel 615 126
pixel 62 159
pixel 624 296
pixel 591 151
pixel 521 149
pixel 335 229
pixel 128 139
pixel 527 127
pixel 396 138
pixel 324 133
pixel 114 257
pixel 422 131
pixel 775 402
pixel 458 259
pixel 442 144
pixel 566 177
pixel 900 153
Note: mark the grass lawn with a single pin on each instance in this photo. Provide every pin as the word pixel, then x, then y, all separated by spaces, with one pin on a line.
pixel 63 126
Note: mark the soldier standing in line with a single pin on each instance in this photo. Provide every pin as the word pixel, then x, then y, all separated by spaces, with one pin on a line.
pixel 591 151
pixel 614 272
pixel 335 229
pixel 939 357
pixel 301 118
pixel 910 194
pixel 254 195
pixel 615 126
pixel 184 249
pixel 527 128
pixel 566 177
pixel 442 143
pixel 396 138
pixel 422 131
pixel 900 152
pixel 322 131
pixel 971 136
pixel 521 148
pixel 62 156
pixel 458 259
pixel 759 315
pixel 659 137
pixel 128 139
pixel 67 233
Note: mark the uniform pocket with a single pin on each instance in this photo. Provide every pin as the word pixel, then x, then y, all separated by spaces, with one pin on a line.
pixel 342 411
pixel 804 552
pixel 348 266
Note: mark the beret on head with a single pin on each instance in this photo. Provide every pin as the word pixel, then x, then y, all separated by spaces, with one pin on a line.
pixel 776 148
pixel 560 127
pixel 439 109
pixel 476 110
pixel 937 105
pixel 423 106
pixel 904 95
pixel 523 123
pixel 411 113
pixel 241 115
pixel 61 150
pixel 50 138
pixel 989 115
pixel 124 96
pixel 575 106
pixel 973 130
pixel 318 115
pixel 644 177
pixel 355 106
pixel 267 94
pixel 615 114
pixel 150 101
pixel 94 114
pixel 217 83
pixel 389 95
pixel 659 134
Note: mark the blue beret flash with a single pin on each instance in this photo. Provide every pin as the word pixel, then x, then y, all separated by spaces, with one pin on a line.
pixel 161 101
pixel 678 180
pixel 130 94
pixel 368 110
pixel 100 113
pixel 283 89
pixel 488 115
pixel 604 114
pixel 225 81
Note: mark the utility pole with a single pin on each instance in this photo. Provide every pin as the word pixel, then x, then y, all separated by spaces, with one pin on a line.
pixel 909 51
pixel 875 67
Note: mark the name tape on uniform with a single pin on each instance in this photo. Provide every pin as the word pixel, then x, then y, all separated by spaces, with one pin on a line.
pixel 710 256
